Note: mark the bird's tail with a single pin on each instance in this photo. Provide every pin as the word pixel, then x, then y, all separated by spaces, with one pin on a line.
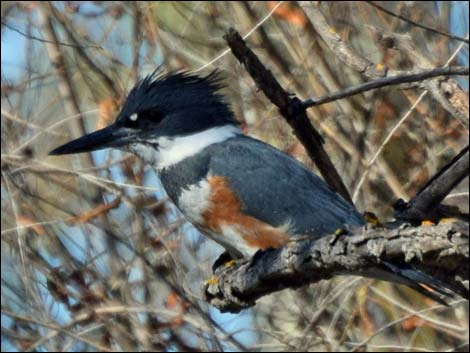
pixel 421 282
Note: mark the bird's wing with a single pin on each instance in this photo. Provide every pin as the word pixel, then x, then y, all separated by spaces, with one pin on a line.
pixel 276 189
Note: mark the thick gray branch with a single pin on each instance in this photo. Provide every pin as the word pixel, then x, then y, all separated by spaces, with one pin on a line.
pixel 441 251
pixel 426 203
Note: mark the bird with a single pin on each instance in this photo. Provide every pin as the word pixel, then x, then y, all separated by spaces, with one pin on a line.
pixel 240 192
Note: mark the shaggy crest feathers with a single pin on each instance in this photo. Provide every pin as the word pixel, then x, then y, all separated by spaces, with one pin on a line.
pixel 177 93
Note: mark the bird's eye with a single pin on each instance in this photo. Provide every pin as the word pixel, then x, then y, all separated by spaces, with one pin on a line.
pixel 140 118
pixel 131 121
pixel 152 116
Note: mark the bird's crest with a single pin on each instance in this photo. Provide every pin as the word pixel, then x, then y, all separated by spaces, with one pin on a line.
pixel 161 95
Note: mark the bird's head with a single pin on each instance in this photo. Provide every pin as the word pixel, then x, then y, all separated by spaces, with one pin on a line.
pixel 159 111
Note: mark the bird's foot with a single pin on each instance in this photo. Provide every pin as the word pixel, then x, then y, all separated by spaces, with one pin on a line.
pixel 211 281
pixel 225 260
pixel 372 219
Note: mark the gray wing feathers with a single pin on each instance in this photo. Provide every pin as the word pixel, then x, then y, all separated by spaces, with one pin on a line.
pixel 277 189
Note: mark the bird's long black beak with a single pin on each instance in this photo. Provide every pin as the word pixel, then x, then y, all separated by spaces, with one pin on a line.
pixel 111 136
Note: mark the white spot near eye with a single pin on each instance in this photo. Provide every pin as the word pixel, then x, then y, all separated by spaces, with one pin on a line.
pixel 133 117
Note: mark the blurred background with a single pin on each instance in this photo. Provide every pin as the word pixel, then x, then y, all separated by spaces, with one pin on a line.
pixel 94 255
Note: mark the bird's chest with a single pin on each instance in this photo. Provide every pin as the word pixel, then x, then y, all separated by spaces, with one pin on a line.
pixel 215 209
pixel 195 201
pixel 216 214
pixel 187 177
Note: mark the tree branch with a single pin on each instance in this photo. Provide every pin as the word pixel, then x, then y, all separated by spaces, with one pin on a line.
pixel 423 205
pixel 441 251
pixel 290 109
pixel 338 46
pixel 406 77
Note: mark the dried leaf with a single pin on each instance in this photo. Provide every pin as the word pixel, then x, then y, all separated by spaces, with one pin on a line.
pixel 95 212
pixel 28 222
pixel 289 13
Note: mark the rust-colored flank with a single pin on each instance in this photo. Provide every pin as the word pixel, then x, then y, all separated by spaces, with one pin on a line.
pixel 225 210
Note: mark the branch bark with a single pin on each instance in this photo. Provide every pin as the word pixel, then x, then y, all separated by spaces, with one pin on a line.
pixel 440 252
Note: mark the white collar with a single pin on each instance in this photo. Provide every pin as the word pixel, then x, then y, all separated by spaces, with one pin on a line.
pixel 172 150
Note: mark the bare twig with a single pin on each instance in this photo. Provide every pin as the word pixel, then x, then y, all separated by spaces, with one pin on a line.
pixel 441 251
pixel 55 327
pixel 91 62
pixel 420 75
pixel 416 24
pixel 290 109
pixel 226 51
pixel 338 46
pixel 43 40
pixel 66 91
pixel 65 86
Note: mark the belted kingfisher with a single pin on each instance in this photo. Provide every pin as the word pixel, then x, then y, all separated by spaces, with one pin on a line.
pixel 241 192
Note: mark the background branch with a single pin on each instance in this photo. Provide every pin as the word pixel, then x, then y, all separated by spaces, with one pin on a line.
pixel 416 24
pixel 441 251
pixel 444 90
pixel 447 92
